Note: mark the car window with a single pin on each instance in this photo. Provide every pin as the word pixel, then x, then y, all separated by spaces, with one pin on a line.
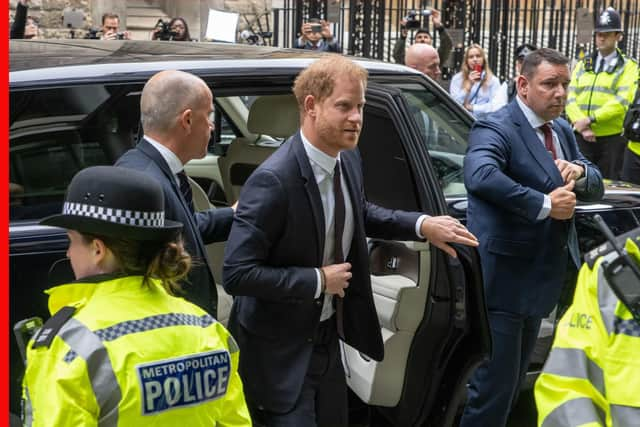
pixel 56 132
pixel 443 132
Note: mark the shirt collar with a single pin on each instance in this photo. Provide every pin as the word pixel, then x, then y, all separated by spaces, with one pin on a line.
pixel 169 156
pixel 607 59
pixel 325 161
pixel 534 120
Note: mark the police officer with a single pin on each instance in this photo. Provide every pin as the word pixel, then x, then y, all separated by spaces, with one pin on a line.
pixel 592 375
pixel 508 90
pixel 120 350
pixel 602 87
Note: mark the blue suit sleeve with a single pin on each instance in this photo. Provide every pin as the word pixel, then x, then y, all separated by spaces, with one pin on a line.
pixel 484 175
pixel 214 224
pixel 259 222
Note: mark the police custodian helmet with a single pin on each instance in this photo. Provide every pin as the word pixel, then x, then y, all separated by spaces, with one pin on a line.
pixel 609 21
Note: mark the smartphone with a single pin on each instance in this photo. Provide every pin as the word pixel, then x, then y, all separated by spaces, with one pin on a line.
pixel 316 28
pixel 477 68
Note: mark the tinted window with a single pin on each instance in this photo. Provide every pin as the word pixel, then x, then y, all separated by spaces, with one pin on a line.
pixel 387 176
pixel 443 132
pixel 57 132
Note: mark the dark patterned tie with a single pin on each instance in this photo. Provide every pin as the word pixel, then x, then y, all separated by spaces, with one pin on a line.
pixel 338 229
pixel 185 189
pixel 548 140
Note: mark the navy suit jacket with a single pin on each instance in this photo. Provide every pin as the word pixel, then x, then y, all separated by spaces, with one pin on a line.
pixel 199 229
pixel 275 244
pixel 507 172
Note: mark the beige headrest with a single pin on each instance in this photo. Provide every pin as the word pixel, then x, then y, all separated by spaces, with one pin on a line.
pixel 274 115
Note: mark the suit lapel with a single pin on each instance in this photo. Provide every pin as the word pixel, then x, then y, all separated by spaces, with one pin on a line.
pixel 350 176
pixel 533 143
pixel 311 188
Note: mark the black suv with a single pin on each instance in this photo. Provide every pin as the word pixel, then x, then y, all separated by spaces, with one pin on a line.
pixel 75 103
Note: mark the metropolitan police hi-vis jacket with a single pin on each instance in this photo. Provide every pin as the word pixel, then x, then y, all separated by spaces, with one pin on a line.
pixel 592 375
pixel 125 354
pixel 603 96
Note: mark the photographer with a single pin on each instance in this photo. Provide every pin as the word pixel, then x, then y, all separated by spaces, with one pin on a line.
pixel 23 27
pixel 422 35
pixel 316 35
pixel 110 28
pixel 176 30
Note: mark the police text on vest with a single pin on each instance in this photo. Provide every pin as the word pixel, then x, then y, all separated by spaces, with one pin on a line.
pixel 183 381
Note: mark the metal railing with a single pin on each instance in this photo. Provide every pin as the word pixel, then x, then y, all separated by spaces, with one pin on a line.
pixel 370 28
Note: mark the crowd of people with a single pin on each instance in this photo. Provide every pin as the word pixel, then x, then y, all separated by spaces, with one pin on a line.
pixel 525 169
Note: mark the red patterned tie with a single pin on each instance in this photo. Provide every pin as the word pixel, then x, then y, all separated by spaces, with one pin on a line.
pixel 548 140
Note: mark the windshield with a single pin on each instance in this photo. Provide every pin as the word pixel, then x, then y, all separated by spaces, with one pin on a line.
pixel 444 133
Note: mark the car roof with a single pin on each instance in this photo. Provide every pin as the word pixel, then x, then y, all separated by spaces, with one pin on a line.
pixel 41 61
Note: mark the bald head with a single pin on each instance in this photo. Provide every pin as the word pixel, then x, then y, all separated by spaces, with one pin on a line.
pixel 424 58
pixel 166 95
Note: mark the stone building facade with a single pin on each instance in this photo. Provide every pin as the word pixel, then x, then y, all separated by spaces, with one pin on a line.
pixel 50 14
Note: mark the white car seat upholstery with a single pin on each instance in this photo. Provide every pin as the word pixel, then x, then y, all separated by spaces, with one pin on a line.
pixel 215 253
pixel 274 116
pixel 400 303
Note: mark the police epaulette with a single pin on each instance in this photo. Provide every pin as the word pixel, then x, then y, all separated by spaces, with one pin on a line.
pixel 592 256
pixel 51 327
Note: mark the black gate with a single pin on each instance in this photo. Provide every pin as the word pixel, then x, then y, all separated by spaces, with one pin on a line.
pixel 370 28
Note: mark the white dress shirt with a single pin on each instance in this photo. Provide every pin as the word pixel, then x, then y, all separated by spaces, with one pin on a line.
pixel 323 167
pixel 169 156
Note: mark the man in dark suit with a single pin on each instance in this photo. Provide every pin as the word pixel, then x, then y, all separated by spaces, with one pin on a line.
pixel 297 259
pixel 176 112
pixel 523 172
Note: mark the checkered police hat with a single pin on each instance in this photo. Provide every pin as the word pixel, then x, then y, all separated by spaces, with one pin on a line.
pixel 115 202
pixel 524 50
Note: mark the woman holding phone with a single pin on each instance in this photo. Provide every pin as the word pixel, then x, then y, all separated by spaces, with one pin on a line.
pixel 475 86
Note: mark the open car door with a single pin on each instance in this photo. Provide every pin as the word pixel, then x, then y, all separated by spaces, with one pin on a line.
pixel 430 306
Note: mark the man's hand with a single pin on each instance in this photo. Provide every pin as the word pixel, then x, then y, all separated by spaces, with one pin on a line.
pixel 588 135
pixel 403 28
pixel 326 31
pixel 582 124
pixel 305 30
pixel 441 229
pixel 109 35
pixel 436 18
pixel 569 171
pixel 563 201
pixel 336 278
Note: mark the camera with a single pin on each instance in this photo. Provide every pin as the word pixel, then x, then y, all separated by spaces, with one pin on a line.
pixel 120 36
pixel 413 18
pixel 92 34
pixel 164 32
pixel 316 28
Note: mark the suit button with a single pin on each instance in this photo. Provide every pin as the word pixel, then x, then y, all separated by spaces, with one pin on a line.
pixel 309 340
pixel 319 303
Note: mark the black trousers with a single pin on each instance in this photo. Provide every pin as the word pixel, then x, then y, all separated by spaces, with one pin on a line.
pixel 606 153
pixel 323 399
pixel 631 167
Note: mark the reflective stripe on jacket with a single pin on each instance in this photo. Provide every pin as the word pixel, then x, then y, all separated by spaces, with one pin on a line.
pixel 605 96
pixel 133 355
pixel 592 375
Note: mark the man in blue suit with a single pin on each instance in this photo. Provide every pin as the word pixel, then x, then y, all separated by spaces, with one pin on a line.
pixel 297 258
pixel 523 173
pixel 176 109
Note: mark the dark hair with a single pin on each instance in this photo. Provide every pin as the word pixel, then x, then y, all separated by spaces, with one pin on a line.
pixel 537 57
pixel 422 31
pixel 187 36
pixel 110 15
pixel 314 21
pixel 167 261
